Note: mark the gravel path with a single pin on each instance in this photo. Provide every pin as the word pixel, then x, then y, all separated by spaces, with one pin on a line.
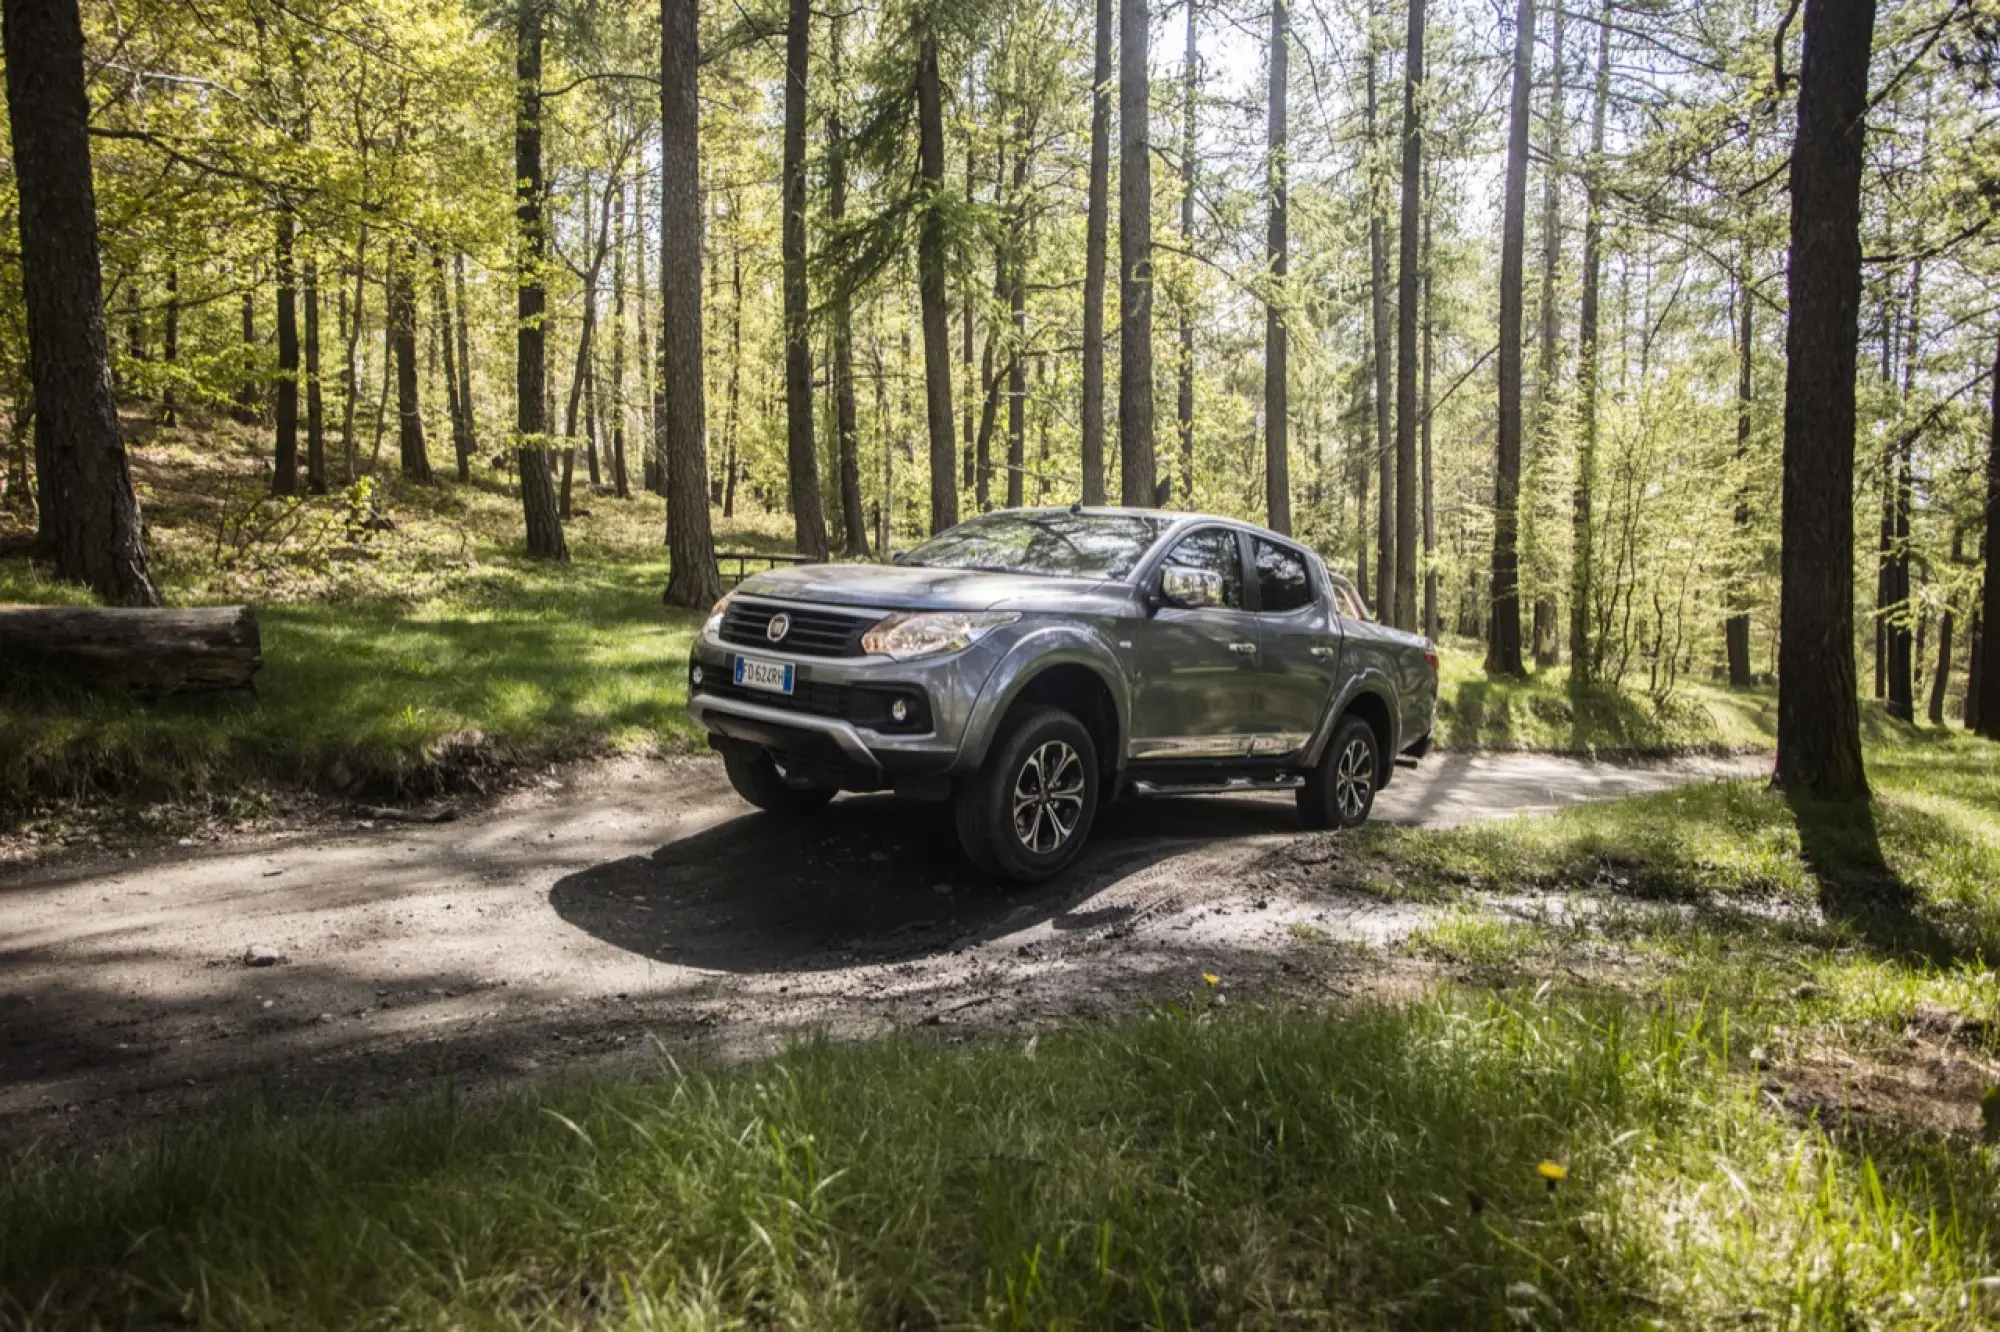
pixel 629 906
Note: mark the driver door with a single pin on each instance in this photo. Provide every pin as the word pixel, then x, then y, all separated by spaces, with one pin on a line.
pixel 1197 692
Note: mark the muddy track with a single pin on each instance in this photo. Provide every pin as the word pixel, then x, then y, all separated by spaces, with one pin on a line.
pixel 631 906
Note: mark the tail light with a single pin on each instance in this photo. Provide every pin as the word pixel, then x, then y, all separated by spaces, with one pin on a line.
pixel 1431 659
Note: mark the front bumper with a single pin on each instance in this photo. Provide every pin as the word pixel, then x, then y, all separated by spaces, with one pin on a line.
pixel 825 723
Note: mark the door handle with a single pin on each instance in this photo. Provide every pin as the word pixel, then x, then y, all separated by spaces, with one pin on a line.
pixel 1245 648
pixel 1322 651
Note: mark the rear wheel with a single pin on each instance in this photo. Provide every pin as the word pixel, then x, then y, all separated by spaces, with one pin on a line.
pixel 1026 814
pixel 1341 790
pixel 757 779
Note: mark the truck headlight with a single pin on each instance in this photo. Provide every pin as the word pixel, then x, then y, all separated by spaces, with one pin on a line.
pixel 713 627
pixel 931 633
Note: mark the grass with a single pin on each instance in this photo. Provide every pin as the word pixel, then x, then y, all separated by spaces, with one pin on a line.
pixel 1541 712
pixel 1378 1167
pixel 393 660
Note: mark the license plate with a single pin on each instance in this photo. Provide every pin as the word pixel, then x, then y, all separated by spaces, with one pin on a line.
pixel 773 677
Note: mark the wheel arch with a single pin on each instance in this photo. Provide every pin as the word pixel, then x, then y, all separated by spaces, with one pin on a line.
pixel 1073 674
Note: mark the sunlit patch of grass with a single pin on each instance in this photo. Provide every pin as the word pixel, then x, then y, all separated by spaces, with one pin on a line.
pixel 1379 1166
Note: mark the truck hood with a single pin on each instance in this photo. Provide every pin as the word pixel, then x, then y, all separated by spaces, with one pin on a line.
pixel 889 587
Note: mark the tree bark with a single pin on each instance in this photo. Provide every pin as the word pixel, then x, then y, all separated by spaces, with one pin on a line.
pixel 853 522
pixel 1407 276
pixel 148 651
pixel 285 463
pixel 89 515
pixel 1431 625
pixel 1583 652
pixel 461 438
pixel 1503 646
pixel 1819 729
pixel 1736 629
pixel 1185 397
pixel 1277 442
pixel 731 419
pixel 1987 713
pixel 1095 246
pixel 1017 293
pixel 620 481
pixel 249 404
pixel 1941 677
pixel 351 369
pixel 415 456
pixel 170 346
pixel 1901 701
pixel 538 495
pixel 1379 353
pixel 931 289
pixel 693 580
pixel 1135 258
pixel 1546 647
pixel 802 457
pixel 466 415
pixel 315 397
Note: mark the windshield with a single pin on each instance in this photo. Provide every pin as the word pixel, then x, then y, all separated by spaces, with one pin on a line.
pixel 1056 543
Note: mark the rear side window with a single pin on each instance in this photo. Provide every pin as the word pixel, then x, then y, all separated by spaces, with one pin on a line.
pixel 1282 581
pixel 1213 549
pixel 1349 602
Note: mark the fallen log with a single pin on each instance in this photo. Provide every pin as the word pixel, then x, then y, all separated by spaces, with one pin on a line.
pixel 205 650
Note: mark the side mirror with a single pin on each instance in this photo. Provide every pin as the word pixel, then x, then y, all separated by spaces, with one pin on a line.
pixel 896 556
pixel 1190 589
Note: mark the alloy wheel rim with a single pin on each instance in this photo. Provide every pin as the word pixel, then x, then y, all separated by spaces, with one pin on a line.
pixel 1048 797
pixel 1354 778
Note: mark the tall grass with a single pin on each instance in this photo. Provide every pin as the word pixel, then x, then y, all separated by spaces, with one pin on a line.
pixel 1374 1168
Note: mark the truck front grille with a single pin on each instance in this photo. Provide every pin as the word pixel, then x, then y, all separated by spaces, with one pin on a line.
pixel 812 633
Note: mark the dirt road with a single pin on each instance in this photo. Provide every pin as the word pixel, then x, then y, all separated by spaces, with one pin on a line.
pixel 631 905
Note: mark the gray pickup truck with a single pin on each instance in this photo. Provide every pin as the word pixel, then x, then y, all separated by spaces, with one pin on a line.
pixel 1031 664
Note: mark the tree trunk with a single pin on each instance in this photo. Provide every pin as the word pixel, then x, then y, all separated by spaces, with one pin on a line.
pixel 1503 646
pixel 1185 398
pixel 1431 625
pixel 1819 728
pixel 853 523
pixel 1017 286
pixel 1378 324
pixel 1277 444
pixel 351 370
pixel 285 463
pixel 930 287
pixel 693 580
pixel 1902 657
pixel 1736 629
pixel 467 417
pixel 1547 649
pixel 1096 233
pixel 802 457
pixel 1986 719
pixel 1941 677
pixel 988 386
pixel 461 439
pixel 1135 258
pixel 249 405
pixel 620 483
pixel 148 651
pixel 731 420
pixel 1583 652
pixel 538 495
pixel 89 515
pixel 315 398
pixel 1408 259
pixel 170 346
pixel 415 457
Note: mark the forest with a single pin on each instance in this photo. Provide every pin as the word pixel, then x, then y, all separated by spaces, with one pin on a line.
pixel 1535 320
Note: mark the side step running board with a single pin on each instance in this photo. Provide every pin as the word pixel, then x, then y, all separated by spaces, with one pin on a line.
pixel 1282 782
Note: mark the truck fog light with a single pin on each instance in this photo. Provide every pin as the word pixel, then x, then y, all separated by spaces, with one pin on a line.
pixel 695 675
pixel 899 711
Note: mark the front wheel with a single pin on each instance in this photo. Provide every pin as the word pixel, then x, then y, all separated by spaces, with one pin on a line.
pixel 1341 790
pixel 757 779
pixel 1026 814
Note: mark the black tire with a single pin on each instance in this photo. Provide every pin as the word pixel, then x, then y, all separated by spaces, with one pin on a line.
pixel 1014 785
pixel 1340 792
pixel 757 779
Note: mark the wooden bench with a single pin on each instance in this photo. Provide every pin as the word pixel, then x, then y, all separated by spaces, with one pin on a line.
pixel 741 559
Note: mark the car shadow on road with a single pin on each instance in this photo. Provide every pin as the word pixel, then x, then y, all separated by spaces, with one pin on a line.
pixel 874 879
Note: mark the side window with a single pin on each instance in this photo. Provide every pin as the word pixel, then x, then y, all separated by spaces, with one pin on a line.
pixel 1349 602
pixel 1282 581
pixel 1213 549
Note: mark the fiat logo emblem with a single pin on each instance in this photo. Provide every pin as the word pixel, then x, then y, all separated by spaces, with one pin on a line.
pixel 780 625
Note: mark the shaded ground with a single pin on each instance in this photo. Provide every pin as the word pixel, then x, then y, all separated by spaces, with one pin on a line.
pixel 630 904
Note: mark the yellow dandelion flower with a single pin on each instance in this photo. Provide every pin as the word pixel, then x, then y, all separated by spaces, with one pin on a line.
pixel 1552 1172
pixel 1211 978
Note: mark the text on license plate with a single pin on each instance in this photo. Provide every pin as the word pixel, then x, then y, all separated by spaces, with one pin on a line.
pixel 773 677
